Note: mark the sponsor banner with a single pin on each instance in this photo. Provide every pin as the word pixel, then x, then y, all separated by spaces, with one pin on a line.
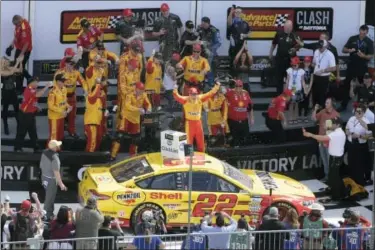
pixel 308 23
pixel 45 69
pixel 106 20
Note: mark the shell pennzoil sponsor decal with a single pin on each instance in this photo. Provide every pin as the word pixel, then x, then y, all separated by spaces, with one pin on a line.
pixel 106 20
pixel 308 23
pixel 129 197
pixel 103 179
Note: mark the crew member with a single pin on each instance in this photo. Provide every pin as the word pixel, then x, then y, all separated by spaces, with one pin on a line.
pixel 287 46
pixel 325 63
pixel 188 39
pixel 131 109
pixel 87 39
pixel 192 106
pixel 336 143
pixel 275 118
pixel 100 52
pixel 217 108
pixel 133 53
pixel 68 54
pixel 211 42
pixel 58 108
pixel 73 77
pixel 93 73
pixel 365 91
pixel 125 31
pixel 168 27
pixel 240 110
pixel 128 79
pixel 361 50
pixel 93 117
pixel 26 116
pixel 195 69
pixel 154 75
pixel 22 41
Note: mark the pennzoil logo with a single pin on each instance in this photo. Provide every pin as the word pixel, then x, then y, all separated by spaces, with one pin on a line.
pixel 129 197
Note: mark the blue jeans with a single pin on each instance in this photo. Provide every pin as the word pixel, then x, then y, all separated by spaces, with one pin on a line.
pixel 324 156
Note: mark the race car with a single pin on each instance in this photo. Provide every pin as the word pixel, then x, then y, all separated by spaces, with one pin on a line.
pixel 150 182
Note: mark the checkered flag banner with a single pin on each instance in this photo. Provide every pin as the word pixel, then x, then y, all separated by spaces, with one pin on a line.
pixel 112 21
pixel 281 19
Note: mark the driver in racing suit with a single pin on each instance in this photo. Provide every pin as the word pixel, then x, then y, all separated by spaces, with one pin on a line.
pixel 132 107
pixel 192 106
pixel 217 109
pixel 195 69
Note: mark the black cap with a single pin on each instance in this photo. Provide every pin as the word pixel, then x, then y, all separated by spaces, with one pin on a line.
pixel 363 101
pixel 60 78
pixel 158 56
pixel 206 19
pixel 32 79
pixel 189 24
pixel 100 45
pixel 107 220
pixel 366 76
pixel 85 23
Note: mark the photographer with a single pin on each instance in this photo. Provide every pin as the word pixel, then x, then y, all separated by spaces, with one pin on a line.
pixel 8 93
pixel 107 231
pixel 188 39
pixel 156 219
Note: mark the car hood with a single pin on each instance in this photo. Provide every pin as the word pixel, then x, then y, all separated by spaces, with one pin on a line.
pixel 280 184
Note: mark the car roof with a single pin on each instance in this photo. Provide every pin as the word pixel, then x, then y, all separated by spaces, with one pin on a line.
pixel 201 161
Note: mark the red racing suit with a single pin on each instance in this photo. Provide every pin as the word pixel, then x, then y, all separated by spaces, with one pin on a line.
pixel 193 116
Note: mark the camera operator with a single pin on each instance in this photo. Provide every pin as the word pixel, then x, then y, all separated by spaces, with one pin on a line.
pixel 238 31
pixel 156 219
pixel 188 39
pixel 168 29
pixel 286 42
pixel 125 30
pixel 361 50
pixel 8 93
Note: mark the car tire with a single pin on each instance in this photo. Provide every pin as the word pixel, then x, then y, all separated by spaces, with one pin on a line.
pixel 283 208
pixel 138 211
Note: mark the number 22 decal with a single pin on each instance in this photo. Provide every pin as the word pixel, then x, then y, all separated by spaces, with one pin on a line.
pixel 206 203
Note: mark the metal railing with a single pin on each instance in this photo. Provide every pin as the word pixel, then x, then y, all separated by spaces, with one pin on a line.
pixel 308 239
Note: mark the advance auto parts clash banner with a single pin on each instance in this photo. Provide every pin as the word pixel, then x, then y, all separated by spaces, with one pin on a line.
pixel 105 20
pixel 308 23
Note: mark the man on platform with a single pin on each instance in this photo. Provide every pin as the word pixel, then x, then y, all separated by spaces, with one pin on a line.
pixel 93 117
pixel 125 30
pixel 72 78
pixel 133 54
pixel 154 76
pixel 22 41
pixel 132 107
pixel 27 113
pixel 69 54
pixel 192 106
pixel 168 28
pixel 93 73
pixel 195 69
pixel 275 118
pixel 58 108
pixel 217 115
pixel 240 112
pixel 87 39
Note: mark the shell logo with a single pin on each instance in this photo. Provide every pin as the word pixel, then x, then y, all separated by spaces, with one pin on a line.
pixel 240 104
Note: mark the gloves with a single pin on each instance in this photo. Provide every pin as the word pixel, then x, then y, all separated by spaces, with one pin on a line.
pixel 106 113
pixel 115 108
pixel 9 50
pixel 81 70
pixel 142 111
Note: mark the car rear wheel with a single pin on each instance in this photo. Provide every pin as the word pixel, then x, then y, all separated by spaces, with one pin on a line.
pixel 136 217
pixel 283 208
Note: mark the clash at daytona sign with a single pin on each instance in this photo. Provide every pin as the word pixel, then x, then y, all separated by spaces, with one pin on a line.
pixel 308 22
pixel 105 20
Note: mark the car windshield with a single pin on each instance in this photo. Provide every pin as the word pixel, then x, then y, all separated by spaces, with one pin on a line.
pixel 236 174
pixel 130 169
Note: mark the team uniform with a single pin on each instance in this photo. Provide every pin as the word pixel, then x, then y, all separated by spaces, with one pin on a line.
pixel 93 117
pixel 87 41
pixel 68 54
pixel 193 115
pixel 130 120
pixel 57 107
pixel 217 115
pixel 153 83
pixel 93 75
pixel 194 72
pixel 73 77
pixel 108 55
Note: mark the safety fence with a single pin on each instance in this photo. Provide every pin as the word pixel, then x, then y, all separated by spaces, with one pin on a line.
pixel 309 239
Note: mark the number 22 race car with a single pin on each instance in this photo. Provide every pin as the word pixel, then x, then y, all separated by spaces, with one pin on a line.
pixel 150 182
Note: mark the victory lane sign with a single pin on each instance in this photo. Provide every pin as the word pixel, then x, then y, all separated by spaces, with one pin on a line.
pixel 308 22
pixel 105 20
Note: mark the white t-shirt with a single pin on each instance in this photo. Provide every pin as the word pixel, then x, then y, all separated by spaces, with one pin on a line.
pixel 354 126
pixel 369 116
pixel 168 82
pixel 295 79
pixel 323 60
pixel 336 144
